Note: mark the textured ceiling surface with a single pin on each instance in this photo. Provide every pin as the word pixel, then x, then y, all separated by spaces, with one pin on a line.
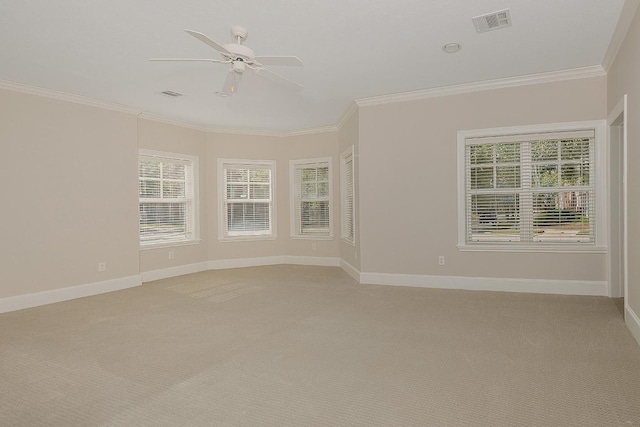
pixel 351 49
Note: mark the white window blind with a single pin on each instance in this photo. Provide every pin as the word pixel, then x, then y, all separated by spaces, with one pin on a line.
pixel 531 189
pixel 166 199
pixel 247 202
pixel 311 198
pixel 347 196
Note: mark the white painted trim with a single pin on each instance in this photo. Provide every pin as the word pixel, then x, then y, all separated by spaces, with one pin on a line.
pixel 279 134
pixel 20 302
pixel 618 110
pixel 165 120
pixel 222 264
pixel 344 157
pixel 350 270
pixel 633 322
pixel 549 77
pixel 92 102
pixel 311 260
pixel 195 188
pixel 538 286
pixel 246 132
pixel 600 186
pixel 310 131
pixel 626 18
pixel 353 107
pixel 68 97
pixel 272 260
pixel 180 270
pixel 267 164
pixel 294 220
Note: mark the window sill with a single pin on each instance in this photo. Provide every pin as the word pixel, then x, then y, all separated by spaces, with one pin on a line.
pixel 168 244
pixel 298 237
pixel 562 249
pixel 247 238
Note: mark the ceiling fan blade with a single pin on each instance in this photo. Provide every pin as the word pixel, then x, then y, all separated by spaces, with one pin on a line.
pixel 230 84
pixel 189 59
pixel 217 46
pixel 277 78
pixel 279 60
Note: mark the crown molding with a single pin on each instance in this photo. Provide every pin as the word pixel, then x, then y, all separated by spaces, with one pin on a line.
pixel 69 97
pixel 353 107
pixel 162 119
pixel 311 131
pixel 554 76
pixel 246 132
pixel 279 134
pixel 549 77
pixel 626 17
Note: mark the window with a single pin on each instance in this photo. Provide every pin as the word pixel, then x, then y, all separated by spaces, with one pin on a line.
pixel 535 187
pixel 347 198
pixel 246 199
pixel 167 198
pixel 311 198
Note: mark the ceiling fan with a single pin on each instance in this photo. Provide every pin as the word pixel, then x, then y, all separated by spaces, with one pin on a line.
pixel 242 57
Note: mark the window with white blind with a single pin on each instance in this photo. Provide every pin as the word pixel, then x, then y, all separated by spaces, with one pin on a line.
pixel 246 199
pixel 167 198
pixel 534 187
pixel 311 198
pixel 347 196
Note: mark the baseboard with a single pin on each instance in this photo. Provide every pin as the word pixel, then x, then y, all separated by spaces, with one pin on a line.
pixel 149 276
pixel 633 322
pixel 245 262
pixel 164 273
pixel 350 270
pixel 20 302
pixel 564 287
pixel 312 260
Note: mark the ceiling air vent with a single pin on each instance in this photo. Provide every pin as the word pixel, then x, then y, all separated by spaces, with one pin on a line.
pixel 171 93
pixel 492 21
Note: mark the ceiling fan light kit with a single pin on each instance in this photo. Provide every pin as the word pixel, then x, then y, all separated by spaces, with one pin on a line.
pixel 242 57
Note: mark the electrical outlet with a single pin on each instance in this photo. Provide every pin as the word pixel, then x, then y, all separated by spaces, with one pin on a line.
pixel 102 266
pixel 441 260
pixel 172 254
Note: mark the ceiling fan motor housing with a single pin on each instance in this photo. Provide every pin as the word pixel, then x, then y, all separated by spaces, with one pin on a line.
pixel 240 51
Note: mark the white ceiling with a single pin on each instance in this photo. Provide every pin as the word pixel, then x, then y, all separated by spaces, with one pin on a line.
pixel 351 49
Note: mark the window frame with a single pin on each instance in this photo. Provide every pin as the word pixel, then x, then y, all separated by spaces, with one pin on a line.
pixel 224 164
pixel 599 188
pixel 295 221
pixel 345 235
pixel 194 210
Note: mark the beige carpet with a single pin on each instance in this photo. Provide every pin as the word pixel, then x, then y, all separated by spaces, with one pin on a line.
pixel 307 346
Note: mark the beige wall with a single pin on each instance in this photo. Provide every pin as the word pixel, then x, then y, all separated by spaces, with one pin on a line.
pixel 69 192
pixel 408 180
pixel 624 78
pixel 349 136
pixel 282 150
pixel 176 139
pixel 312 146
pixel 246 147
pixel 72 202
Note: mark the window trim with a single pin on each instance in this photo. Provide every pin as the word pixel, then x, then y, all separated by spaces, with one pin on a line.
pixel 600 187
pixel 294 221
pixel 267 164
pixel 349 153
pixel 195 215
